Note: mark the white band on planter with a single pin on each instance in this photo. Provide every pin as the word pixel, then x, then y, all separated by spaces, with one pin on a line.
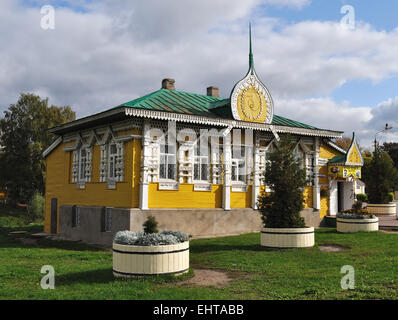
pixel 357 225
pixel 388 209
pixel 287 237
pixel 149 260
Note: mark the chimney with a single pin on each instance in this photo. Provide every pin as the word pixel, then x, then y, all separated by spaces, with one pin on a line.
pixel 168 84
pixel 213 92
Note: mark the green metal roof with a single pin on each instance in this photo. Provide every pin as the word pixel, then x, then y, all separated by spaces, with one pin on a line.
pixel 338 159
pixel 197 104
pixel 175 101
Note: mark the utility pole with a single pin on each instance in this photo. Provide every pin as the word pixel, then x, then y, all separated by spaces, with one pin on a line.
pixel 386 128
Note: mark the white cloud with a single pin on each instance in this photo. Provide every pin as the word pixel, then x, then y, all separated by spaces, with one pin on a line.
pixel 119 50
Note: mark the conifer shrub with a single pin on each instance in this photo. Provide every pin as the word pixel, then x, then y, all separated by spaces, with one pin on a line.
pixel 286 178
pixel 362 197
pixel 380 177
pixel 150 225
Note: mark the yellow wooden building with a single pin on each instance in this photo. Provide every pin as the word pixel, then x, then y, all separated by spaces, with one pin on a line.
pixel 194 161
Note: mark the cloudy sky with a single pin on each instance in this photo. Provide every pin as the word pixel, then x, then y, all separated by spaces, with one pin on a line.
pixel 324 66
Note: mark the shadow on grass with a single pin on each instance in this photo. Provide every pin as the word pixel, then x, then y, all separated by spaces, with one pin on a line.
pixel 11 241
pixel 103 276
pixel 224 247
pixel 92 276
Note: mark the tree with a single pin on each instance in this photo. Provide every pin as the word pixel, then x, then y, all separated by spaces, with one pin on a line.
pixel 380 177
pixel 287 180
pixel 24 138
pixel 344 142
pixel 392 149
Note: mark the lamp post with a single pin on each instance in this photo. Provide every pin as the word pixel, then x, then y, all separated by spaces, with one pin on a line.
pixel 386 128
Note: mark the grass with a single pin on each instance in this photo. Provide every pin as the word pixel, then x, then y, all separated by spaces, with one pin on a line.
pixel 85 272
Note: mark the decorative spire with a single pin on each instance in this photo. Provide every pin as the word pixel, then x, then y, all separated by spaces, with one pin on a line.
pixel 251 60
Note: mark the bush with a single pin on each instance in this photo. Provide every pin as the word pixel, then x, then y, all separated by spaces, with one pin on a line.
pixel 150 225
pixel 356 212
pixel 391 196
pixel 324 193
pixel 362 197
pixel 36 207
pixel 287 180
pixel 380 176
pixel 150 239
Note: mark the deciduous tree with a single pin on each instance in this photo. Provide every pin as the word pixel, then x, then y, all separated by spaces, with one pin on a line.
pixel 24 137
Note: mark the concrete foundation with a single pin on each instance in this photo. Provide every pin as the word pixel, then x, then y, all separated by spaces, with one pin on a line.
pixel 198 223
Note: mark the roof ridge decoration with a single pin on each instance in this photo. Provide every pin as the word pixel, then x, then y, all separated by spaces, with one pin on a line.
pixel 250 98
pixel 353 156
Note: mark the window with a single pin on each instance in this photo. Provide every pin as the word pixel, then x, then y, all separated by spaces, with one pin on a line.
pixel 167 165
pixel 309 166
pixel 201 166
pixel 82 165
pixel 238 165
pixel 108 219
pixel 217 164
pixel 81 170
pixel 112 161
pixel 75 217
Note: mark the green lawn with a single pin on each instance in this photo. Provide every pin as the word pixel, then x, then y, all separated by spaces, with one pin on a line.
pixel 84 272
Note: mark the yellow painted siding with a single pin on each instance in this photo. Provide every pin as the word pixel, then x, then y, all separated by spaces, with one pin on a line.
pixel 308 194
pixel 323 171
pixel 58 182
pixel 185 197
pixel 242 199
pixel 326 152
pixel 324 207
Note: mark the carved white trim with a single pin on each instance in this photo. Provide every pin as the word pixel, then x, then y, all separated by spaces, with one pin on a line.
pixel 323 162
pixel 120 162
pixel 202 187
pixel 227 156
pixel 103 163
pixel 88 167
pixel 238 188
pixel 226 123
pixel 55 144
pixel 75 166
pixel 168 185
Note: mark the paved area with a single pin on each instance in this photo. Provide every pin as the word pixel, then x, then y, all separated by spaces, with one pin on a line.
pixel 389 222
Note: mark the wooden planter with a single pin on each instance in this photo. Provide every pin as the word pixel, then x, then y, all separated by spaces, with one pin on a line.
pixel 130 261
pixel 287 237
pixel 357 225
pixel 388 209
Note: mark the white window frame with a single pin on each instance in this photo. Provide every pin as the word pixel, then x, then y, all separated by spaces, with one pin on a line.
pixel 81 163
pixel 235 165
pixel 200 160
pixel 164 151
pixel 112 160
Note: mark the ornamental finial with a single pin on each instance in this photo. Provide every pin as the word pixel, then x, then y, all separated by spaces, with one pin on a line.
pixel 251 60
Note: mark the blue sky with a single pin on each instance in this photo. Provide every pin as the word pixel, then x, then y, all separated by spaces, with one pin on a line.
pixel 106 52
pixel 381 15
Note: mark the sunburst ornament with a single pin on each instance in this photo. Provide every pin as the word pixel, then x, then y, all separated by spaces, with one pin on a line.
pixel 250 98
